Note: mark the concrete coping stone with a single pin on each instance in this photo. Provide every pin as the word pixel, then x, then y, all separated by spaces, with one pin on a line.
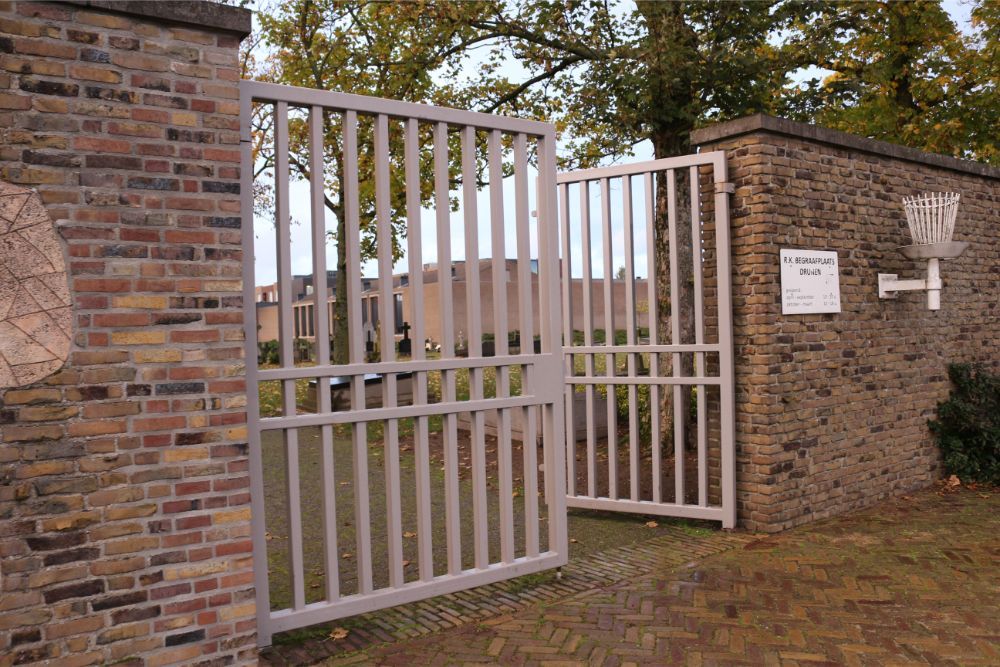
pixel 199 13
pixel 790 128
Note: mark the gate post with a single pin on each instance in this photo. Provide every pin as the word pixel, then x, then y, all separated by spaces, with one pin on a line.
pixel 831 408
pixel 124 516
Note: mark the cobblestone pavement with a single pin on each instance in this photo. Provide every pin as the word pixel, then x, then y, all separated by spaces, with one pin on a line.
pixel 913 581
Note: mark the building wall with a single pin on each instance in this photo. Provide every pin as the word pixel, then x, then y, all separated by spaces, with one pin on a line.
pixel 485 310
pixel 832 409
pixel 124 515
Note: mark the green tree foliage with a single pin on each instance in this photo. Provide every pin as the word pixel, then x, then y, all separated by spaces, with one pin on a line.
pixel 613 74
pixel 902 72
pixel 377 49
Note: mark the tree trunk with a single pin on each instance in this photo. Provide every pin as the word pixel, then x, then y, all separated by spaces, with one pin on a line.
pixel 672 109
pixel 340 352
pixel 669 304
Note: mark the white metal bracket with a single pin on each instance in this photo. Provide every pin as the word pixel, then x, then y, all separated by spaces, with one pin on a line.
pixel 889 286
pixel 725 187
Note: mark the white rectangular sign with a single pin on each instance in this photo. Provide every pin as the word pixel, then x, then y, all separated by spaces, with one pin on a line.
pixel 810 282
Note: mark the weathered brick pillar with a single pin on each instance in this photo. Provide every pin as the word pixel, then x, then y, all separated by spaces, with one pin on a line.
pixel 832 409
pixel 124 515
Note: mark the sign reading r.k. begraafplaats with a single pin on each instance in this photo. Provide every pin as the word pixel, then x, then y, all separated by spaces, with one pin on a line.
pixel 810 282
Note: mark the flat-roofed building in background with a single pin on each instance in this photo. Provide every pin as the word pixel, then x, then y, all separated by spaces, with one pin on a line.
pixel 303 306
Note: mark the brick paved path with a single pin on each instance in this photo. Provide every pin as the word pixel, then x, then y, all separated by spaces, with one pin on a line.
pixel 914 581
pixel 679 545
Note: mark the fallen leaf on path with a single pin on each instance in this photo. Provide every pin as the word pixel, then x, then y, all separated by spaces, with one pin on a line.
pixel 339 633
pixel 409 534
pixel 651 524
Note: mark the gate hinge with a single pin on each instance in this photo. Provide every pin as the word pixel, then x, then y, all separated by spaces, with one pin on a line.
pixel 726 187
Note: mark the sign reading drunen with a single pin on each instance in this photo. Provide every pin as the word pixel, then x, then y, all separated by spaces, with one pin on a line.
pixel 810 282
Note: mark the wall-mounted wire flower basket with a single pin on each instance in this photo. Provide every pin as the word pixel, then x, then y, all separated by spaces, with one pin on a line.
pixel 931 216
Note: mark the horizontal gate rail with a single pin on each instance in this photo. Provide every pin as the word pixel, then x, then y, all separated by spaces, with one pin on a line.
pixel 409 411
pixel 714 433
pixel 396 367
pixel 362 104
pixel 351 605
pixel 396 138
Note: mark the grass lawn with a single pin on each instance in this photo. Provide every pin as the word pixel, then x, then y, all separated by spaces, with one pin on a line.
pixel 589 531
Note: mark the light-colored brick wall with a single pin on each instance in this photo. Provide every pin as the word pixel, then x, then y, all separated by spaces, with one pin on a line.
pixel 832 409
pixel 124 516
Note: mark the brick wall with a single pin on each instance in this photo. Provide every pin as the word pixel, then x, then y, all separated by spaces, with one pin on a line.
pixel 124 515
pixel 832 409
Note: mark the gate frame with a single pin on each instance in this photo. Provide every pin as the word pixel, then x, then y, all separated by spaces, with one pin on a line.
pixel 546 374
pixel 726 513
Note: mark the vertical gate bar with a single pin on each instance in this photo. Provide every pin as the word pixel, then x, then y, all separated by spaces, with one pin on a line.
pixel 609 338
pixel 675 339
pixel 442 207
pixel 421 454
pixel 387 352
pixel 630 326
pixel 699 335
pixel 286 312
pixel 294 509
pixel 359 431
pixel 475 346
pixel 549 315
pixel 567 315
pixel 323 399
pixel 500 330
pixel 653 317
pixel 258 530
pixel 726 370
pixel 287 358
pixel 529 442
pixel 588 333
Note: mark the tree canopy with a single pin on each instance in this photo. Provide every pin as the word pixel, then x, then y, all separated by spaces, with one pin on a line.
pixel 612 74
pixel 904 73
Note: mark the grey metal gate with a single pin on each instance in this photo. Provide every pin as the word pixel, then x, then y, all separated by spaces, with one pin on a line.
pixel 630 386
pixel 541 392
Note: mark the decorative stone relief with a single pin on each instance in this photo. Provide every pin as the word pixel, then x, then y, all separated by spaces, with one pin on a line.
pixel 36 321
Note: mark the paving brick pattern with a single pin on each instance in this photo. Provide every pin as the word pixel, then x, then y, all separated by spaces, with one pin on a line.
pixel 480 605
pixel 913 581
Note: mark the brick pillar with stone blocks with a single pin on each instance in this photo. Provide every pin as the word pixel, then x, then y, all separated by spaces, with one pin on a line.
pixel 124 505
pixel 832 409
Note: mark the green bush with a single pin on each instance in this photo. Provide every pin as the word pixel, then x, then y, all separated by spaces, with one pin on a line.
pixel 267 352
pixel 968 425
pixel 643 410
